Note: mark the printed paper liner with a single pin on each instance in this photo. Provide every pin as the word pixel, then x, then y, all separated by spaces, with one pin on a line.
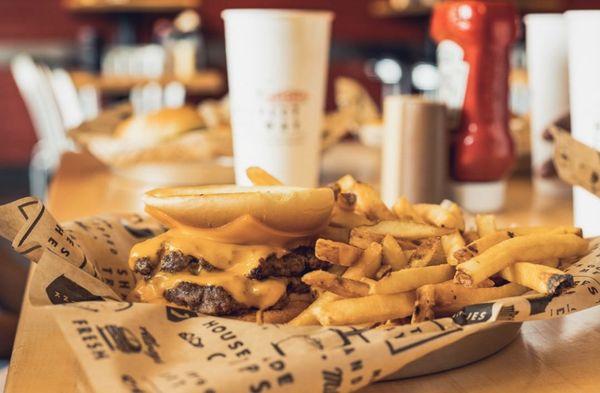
pixel 82 274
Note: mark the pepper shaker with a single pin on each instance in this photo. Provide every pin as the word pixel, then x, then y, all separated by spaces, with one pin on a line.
pixel 414 150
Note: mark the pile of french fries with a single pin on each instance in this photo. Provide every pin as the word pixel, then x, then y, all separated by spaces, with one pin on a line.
pixel 416 262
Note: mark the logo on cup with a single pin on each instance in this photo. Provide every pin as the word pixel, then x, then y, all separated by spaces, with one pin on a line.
pixel 281 115
pixel 289 96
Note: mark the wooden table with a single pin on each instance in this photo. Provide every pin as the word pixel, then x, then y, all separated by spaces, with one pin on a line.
pixel 560 355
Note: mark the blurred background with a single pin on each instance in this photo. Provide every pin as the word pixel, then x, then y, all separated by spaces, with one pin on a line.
pixel 108 47
pixel 71 71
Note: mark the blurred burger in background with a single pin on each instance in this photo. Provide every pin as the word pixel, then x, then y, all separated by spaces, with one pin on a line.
pixel 168 134
pixel 167 146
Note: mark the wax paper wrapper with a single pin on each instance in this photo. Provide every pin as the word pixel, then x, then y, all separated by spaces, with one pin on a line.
pixel 577 163
pixel 82 277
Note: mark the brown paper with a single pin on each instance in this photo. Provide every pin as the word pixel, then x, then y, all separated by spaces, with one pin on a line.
pixel 577 163
pixel 125 347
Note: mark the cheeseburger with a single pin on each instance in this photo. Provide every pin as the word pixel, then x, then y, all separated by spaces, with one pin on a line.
pixel 232 251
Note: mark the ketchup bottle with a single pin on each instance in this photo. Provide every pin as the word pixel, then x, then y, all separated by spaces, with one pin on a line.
pixel 474 39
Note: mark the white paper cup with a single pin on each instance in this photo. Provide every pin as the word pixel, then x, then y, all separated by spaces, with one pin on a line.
pixel 277 68
pixel 549 92
pixel 583 29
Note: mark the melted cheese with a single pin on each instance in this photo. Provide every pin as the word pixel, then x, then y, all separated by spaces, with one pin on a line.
pixel 240 258
pixel 234 261
pixel 252 293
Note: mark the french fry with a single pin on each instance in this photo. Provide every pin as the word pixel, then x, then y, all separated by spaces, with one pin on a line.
pixel 470 236
pixel 520 248
pixel 341 286
pixel 362 239
pixel 540 278
pixel 429 252
pixel 450 244
pixel 521 231
pixel 487 283
pixel 486 224
pixel 368 309
pixel 455 210
pixel 260 177
pixel 448 216
pixel 336 234
pixel 405 211
pixel 412 278
pixel 346 201
pixel 371 281
pixel 446 298
pixel 369 203
pixel 307 316
pixel 390 323
pixel 475 248
pixel 346 183
pixel 347 219
pixel 393 254
pixel 367 266
pixel 551 262
pixel 337 269
pixel 407 245
pixel 424 303
pixel 464 296
pixel 406 230
pixel 383 271
pixel 336 252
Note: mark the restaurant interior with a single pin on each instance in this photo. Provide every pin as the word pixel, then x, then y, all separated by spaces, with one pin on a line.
pixel 73 72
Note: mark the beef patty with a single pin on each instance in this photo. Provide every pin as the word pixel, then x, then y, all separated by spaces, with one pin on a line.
pixel 299 261
pixel 205 299
pixel 215 300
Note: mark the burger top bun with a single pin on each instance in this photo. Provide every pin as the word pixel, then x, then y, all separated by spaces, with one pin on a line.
pixel 158 126
pixel 286 209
